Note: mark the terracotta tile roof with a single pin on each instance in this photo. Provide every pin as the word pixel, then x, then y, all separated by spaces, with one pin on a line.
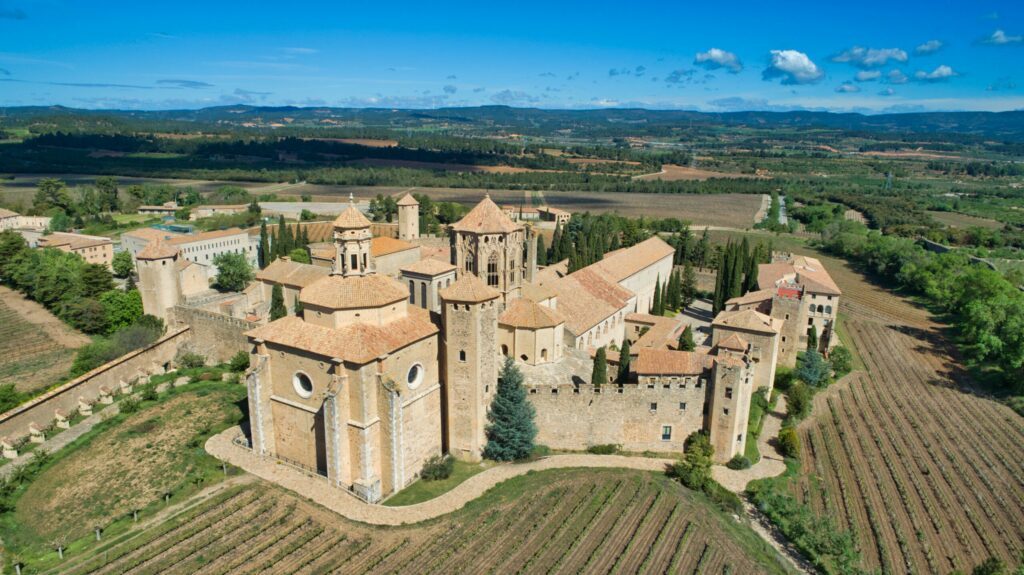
pixel 156 250
pixel 322 250
pixel 733 341
pixel 441 253
pixel 752 297
pixel 429 267
pixel 552 272
pixel 150 234
pixel 357 343
pixel 670 362
pixel 354 292
pixel 662 331
pixel 586 299
pixel 408 200
pixel 486 218
pixel 292 274
pixel 803 270
pixel 645 318
pixel 537 292
pixel 73 241
pixel 4 213
pixel 623 263
pixel 381 246
pixel 747 319
pixel 524 313
pixel 552 211
pixel 729 361
pixel 351 219
pixel 468 289
pixel 204 236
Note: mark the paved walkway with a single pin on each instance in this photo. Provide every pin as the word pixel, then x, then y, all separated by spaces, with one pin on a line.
pixel 61 439
pixel 771 463
pixel 349 506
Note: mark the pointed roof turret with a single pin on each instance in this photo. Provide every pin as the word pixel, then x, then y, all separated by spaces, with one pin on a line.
pixel 469 289
pixel 156 250
pixel 408 200
pixel 351 218
pixel 486 218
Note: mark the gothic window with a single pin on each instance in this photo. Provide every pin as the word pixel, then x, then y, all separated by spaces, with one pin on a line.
pixel 469 262
pixel 423 294
pixel 412 291
pixel 544 354
pixel 492 270
pixel 828 309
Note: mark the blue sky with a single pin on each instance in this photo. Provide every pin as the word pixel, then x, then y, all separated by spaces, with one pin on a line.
pixel 712 56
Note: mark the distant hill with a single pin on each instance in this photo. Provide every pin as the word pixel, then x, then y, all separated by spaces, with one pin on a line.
pixel 534 121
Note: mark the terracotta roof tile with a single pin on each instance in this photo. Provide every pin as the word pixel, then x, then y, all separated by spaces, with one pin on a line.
pixel 803 270
pixel 408 200
pixel 486 218
pixel 150 234
pixel 292 274
pixel 526 314
pixel 351 219
pixel 747 319
pixel 73 241
pixel 381 246
pixel 354 292
pixel 670 362
pixel 733 341
pixel 753 297
pixel 357 343
pixel 586 298
pixel 536 292
pixel 204 236
pixel 469 289
pixel 429 267
pixel 623 263
pixel 156 250
pixel 5 213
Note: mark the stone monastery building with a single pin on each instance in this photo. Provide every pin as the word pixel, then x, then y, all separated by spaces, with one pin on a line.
pixel 382 371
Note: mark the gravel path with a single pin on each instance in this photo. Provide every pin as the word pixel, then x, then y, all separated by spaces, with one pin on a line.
pixel 349 506
pixel 771 463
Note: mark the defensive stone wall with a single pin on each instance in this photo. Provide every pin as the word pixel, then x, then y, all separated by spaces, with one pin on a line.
pixel 633 416
pixel 100 384
pixel 215 336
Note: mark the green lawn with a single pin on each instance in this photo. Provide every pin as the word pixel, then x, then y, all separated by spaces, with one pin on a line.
pixel 423 490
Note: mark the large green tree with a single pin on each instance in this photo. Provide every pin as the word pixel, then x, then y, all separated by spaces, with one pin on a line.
pixel 121 308
pixel 123 264
pixel 813 369
pixel 233 272
pixel 510 429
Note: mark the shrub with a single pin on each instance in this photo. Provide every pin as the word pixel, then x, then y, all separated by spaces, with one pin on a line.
pixel 812 369
pixel 605 449
pixel 738 462
pixel 239 362
pixel 129 405
pixel 842 360
pixel 789 442
pixel 438 467
pixel 540 451
pixel 798 402
pixel 190 360
pixel 783 378
pixel 148 393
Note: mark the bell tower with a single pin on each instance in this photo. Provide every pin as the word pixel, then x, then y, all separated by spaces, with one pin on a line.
pixel 352 240
pixel 408 218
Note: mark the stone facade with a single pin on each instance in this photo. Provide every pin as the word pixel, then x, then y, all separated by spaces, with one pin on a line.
pixel 216 336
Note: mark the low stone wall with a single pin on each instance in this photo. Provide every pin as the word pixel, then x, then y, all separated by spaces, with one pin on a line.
pixel 99 384
pixel 633 416
pixel 215 336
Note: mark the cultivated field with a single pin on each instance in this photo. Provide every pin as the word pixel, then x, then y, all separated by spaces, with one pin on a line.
pixel 565 521
pixel 36 347
pixel 672 173
pixel 928 477
pixel 957 220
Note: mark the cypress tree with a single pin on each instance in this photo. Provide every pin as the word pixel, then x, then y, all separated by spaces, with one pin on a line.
pixel 264 253
pixel 688 289
pixel 129 283
pixel 750 277
pixel 565 246
pixel 277 309
pixel 703 248
pixel 556 245
pixel 600 374
pixel 656 302
pixel 686 340
pixel 623 373
pixel 510 429
pixel 719 300
pixel 298 306
pixel 542 252
pixel 736 278
pixel 812 338
pixel 672 293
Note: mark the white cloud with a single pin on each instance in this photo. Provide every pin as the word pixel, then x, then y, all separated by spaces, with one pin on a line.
pixel 715 58
pixel 939 74
pixel 847 88
pixel 929 47
pixel 870 57
pixel 896 77
pixel 1001 38
pixel 793 67
pixel 299 51
pixel 513 98
pixel 867 75
pixel 887 92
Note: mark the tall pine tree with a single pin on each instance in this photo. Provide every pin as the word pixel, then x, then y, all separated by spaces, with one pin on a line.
pixel 277 309
pixel 264 253
pixel 656 302
pixel 686 340
pixel 510 430
pixel 542 252
pixel 600 374
pixel 623 373
pixel 688 289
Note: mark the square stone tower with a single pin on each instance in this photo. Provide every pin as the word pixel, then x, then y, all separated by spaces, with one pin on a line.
pixel 469 362
pixel 408 218
pixel 489 245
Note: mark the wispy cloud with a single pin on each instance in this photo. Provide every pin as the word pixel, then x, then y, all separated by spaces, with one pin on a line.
pixel 451 77
pixel 1001 38
pixel 867 75
pixel 299 51
pixel 929 47
pixel 547 74
pixel 450 89
pixel 939 74
pixel 79 84
pixel 5 72
pixel 514 98
pixel 847 88
pixel 187 84
pixel 870 57
pixel 716 58
pixel 793 67
pixel 887 92
pixel 896 77
pixel 247 96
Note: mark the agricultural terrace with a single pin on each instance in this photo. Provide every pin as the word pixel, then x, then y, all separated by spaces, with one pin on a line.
pixel 565 521
pixel 125 464
pixel 928 478
pixel 36 346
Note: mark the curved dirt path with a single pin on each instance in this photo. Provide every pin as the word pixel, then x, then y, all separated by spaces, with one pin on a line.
pixel 347 505
pixel 771 462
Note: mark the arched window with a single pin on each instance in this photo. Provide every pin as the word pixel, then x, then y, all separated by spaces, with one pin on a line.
pixel 492 270
pixel 828 309
pixel 412 291
pixel 469 262
pixel 544 354
pixel 462 355
pixel 504 350
pixel 423 294
pixel 821 308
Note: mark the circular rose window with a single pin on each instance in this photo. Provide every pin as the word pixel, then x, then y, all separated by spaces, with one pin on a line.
pixel 303 385
pixel 415 376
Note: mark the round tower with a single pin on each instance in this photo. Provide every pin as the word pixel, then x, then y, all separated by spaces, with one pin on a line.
pixel 408 218
pixel 469 316
pixel 352 241
pixel 157 265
